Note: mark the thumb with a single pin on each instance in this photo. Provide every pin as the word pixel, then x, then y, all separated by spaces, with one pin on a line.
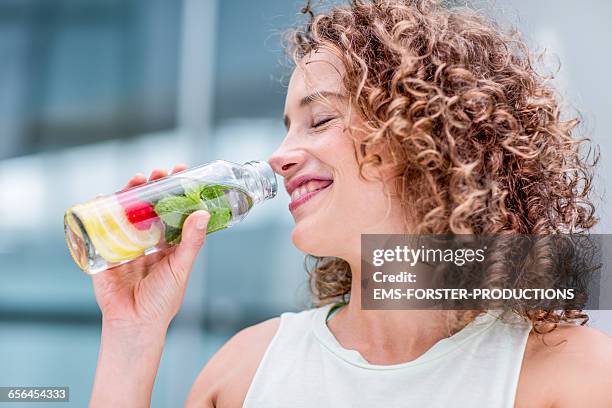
pixel 192 239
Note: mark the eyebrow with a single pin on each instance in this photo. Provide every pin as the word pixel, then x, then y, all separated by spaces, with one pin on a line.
pixel 314 97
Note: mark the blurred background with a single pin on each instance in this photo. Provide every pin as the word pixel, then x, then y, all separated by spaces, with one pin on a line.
pixel 93 91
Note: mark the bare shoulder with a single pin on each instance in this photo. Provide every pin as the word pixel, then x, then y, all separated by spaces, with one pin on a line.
pixel 570 366
pixel 226 378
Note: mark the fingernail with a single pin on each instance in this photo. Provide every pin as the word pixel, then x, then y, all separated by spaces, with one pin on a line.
pixel 202 222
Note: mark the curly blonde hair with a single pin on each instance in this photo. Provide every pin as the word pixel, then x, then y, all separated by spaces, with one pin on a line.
pixel 475 132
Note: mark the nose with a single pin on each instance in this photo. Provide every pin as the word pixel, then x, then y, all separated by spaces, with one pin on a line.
pixel 286 161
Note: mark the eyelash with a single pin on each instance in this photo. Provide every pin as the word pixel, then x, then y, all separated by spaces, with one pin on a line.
pixel 322 122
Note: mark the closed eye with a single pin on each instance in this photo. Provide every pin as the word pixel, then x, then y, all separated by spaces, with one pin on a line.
pixel 323 122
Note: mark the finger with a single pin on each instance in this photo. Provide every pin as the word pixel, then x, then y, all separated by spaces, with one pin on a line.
pixel 156 256
pixel 192 240
pixel 179 167
pixel 157 174
pixel 137 180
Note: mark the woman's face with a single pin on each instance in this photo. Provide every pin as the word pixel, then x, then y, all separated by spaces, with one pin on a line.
pixel 330 203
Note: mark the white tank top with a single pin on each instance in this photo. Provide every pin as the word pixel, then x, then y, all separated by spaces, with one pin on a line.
pixel 304 366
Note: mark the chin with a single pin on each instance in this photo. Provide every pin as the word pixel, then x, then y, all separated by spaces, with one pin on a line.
pixel 309 237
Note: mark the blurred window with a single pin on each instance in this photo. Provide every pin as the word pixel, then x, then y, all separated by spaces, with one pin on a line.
pixel 75 72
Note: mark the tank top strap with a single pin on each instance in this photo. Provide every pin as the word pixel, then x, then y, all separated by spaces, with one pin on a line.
pixel 333 309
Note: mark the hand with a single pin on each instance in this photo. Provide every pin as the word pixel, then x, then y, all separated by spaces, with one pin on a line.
pixel 148 291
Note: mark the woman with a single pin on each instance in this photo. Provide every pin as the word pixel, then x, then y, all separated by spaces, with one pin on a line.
pixel 401 116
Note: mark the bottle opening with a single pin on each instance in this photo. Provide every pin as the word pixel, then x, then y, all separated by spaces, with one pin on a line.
pixel 266 180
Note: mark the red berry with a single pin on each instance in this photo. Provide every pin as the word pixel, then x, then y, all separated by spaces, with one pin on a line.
pixel 139 213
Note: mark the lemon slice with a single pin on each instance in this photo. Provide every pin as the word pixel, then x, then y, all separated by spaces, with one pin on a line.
pixel 113 236
pixel 103 240
pixel 97 235
pixel 122 229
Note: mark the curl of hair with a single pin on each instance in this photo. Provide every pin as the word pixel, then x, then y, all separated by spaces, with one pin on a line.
pixel 474 131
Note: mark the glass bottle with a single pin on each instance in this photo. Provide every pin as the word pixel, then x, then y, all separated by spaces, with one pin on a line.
pixel 118 228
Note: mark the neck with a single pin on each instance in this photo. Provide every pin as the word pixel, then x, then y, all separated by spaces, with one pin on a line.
pixel 386 336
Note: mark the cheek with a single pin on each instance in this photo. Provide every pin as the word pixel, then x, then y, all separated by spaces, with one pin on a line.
pixel 359 204
pixel 352 207
pixel 351 192
pixel 337 149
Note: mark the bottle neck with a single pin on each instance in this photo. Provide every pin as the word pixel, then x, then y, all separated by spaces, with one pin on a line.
pixel 260 180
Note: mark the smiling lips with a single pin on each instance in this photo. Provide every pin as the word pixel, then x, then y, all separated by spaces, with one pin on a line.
pixel 303 188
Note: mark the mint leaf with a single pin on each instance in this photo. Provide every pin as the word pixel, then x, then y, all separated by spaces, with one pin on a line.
pixel 218 206
pixel 220 214
pixel 212 192
pixel 172 235
pixel 173 210
pixel 205 192
pixel 193 193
